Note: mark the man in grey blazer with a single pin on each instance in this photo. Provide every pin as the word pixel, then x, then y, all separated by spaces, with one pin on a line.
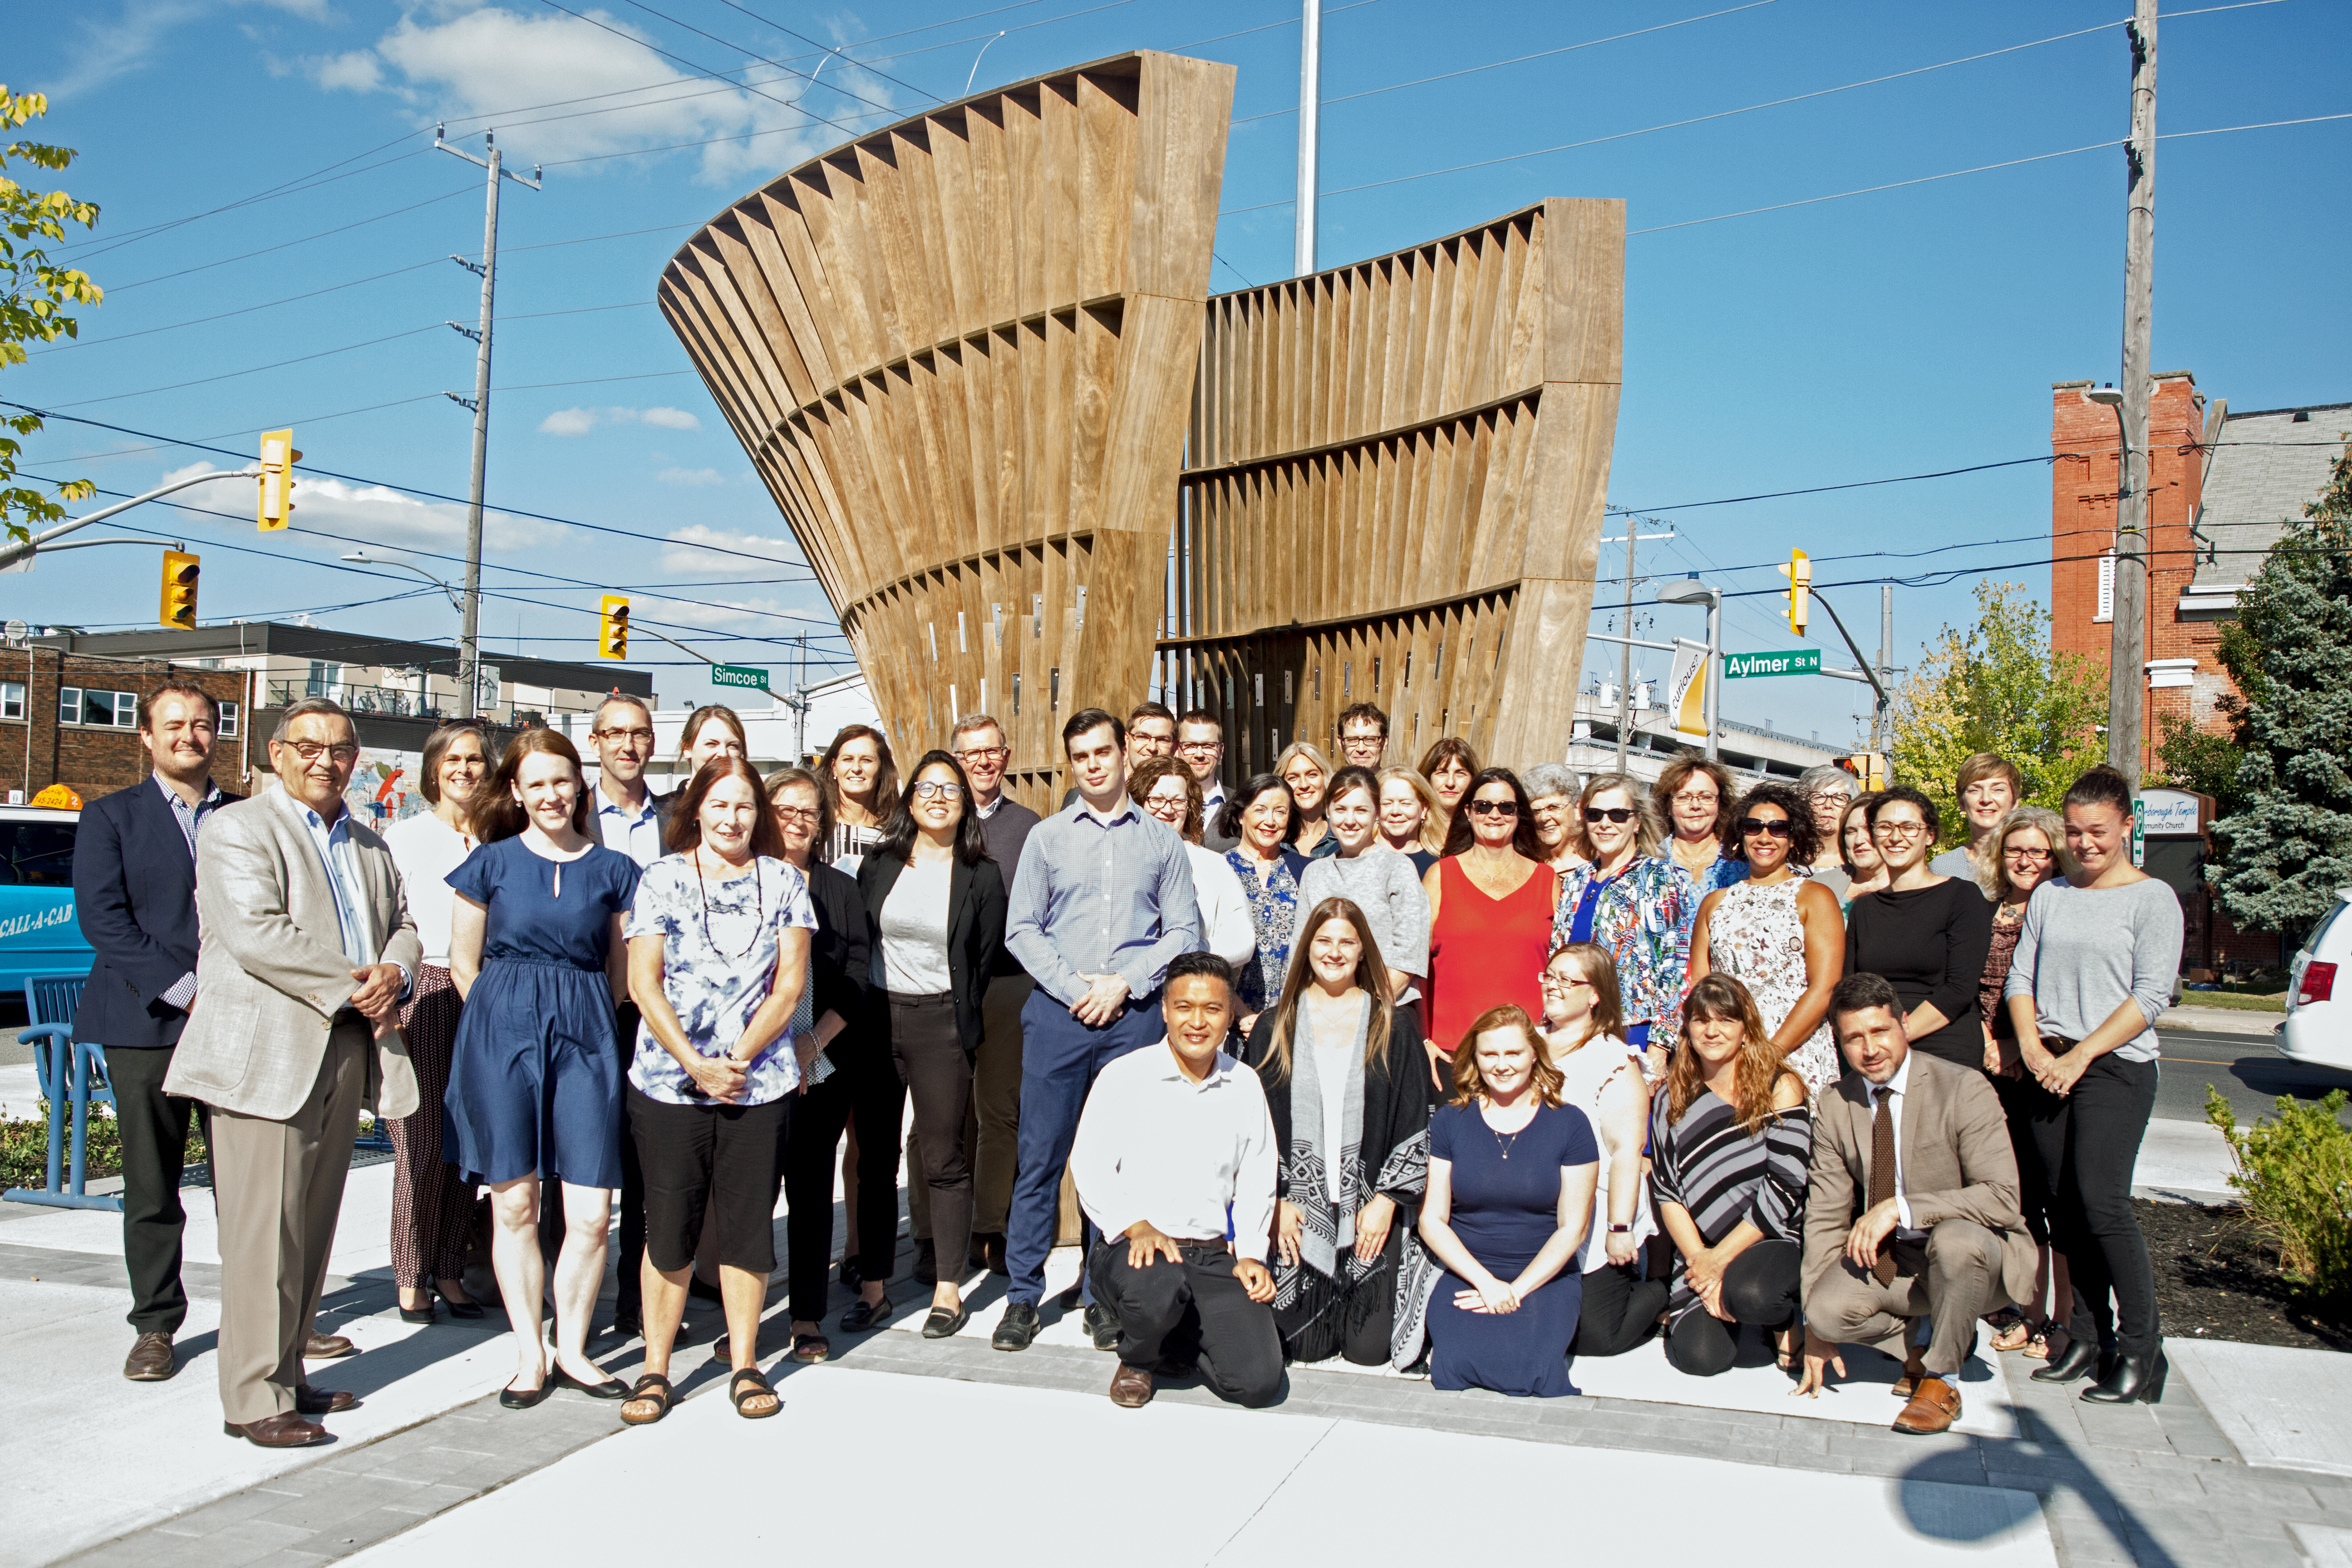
pixel 307 950
pixel 1911 1211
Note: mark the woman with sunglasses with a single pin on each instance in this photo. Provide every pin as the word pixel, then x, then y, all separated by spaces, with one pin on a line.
pixel 1693 799
pixel 1489 917
pixel 1777 934
pixel 1635 903
pixel 1927 935
pixel 938 903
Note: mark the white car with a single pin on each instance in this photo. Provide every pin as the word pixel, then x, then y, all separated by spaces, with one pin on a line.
pixel 2318 1026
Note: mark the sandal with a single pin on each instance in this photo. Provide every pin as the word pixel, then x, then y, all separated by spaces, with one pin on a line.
pixel 811 1349
pixel 2014 1336
pixel 2038 1347
pixel 652 1389
pixel 743 1395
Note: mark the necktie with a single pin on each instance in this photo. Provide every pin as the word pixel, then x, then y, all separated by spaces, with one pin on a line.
pixel 1882 1177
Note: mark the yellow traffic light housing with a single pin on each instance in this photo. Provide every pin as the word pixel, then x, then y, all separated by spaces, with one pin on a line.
pixel 612 628
pixel 1869 768
pixel 178 609
pixel 1800 574
pixel 277 459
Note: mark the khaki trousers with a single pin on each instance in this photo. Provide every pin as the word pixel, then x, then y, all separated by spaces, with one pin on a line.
pixel 279 1186
pixel 1954 1277
pixel 992 1131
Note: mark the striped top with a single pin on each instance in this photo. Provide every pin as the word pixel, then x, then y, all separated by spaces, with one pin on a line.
pixel 1706 1163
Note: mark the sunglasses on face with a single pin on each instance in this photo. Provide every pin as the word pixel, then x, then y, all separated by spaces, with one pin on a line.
pixel 1767 826
pixel 1494 808
pixel 1618 814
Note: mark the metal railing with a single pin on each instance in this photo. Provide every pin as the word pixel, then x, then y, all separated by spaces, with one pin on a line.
pixel 397 701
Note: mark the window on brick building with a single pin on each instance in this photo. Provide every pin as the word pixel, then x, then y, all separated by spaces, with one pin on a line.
pixel 2106 611
pixel 230 714
pixel 12 699
pixel 117 709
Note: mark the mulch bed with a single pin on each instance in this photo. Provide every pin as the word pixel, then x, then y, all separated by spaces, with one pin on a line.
pixel 2215 1278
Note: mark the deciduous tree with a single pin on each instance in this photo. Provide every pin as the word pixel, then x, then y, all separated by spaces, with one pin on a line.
pixel 34 293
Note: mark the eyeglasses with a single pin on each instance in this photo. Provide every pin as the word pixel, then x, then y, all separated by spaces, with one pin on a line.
pixel 1494 808
pixel 2030 856
pixel 985 754
pixel 1898 829
pixel 1202 748
pixel 803 813
pixel 1767 826
pixel 642 737
pixel 1697 797
pixel 341 750
pixel 1618 814
pixel 1561 982
pixel 931 788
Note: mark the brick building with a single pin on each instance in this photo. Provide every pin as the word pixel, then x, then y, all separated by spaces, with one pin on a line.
pixel 72 719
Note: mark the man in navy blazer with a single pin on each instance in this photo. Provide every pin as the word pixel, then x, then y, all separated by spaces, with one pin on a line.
pixel 135 894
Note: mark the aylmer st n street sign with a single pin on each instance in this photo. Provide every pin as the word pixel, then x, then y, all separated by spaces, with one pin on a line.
pixel 1791 661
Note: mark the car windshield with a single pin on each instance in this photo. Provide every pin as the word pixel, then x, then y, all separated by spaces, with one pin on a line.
pixel 40 854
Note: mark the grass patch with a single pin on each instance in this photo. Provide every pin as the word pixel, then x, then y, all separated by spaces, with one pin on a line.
pixel 2236 1001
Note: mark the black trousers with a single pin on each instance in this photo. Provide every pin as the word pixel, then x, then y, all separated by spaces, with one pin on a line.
pixel 1619 1309
pixel 2089 1142
pixel 929 1058
pixel 153 1127
pixel 863 1083
pixel 1760 1286
pixel 2023 1101
pixel 715 1160
pixel 1196 1310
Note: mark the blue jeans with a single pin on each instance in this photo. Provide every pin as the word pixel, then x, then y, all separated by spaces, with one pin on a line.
pixel 1059 1059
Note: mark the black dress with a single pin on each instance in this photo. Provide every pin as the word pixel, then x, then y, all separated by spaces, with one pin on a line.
pixel 1930 944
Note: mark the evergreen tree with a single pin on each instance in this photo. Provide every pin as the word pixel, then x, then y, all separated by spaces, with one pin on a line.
pixel 2287 849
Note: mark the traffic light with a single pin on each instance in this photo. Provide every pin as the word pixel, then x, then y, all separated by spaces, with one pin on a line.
pixel 277 459
pixel 178 609
pixel 612 628
pixel 1800 574
pixel 1869 767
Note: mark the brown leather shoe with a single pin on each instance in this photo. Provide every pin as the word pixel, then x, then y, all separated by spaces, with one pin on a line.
pixel 1130 1387
pixel 327 1347
pixel 1935 1406
pixel 151 1360
pixel 311 1401
pixel 1908 1383
pixel 284 1430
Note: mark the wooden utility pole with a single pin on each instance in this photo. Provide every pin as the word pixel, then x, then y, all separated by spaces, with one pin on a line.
pixel 2127 654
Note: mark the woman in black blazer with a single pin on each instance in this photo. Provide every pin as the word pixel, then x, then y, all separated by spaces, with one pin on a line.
pixel 937 901
pixel 844 1071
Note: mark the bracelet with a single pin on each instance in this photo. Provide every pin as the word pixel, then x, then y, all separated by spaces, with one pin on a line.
pixel 1620 1230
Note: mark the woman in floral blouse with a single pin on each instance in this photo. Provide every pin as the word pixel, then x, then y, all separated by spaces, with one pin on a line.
pixel 1638 906
pixel 1262 814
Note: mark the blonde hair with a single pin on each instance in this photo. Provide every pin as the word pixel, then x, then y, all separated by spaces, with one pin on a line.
pixel 1434 817
pixel 1304 749
pixel 1470 1084
pixel 1371 978
pixel 1994 879
pixel 1646 821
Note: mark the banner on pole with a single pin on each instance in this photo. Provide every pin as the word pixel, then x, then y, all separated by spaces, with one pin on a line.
pixel 1687 691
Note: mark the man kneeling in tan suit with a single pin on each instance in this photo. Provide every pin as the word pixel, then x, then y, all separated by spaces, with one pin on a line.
pixel 1912 1210
pixel 307 950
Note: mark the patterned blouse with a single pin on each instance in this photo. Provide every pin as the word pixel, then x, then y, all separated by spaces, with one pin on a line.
pixel 1643 916
pixel 2008 925
pixel 1722 1175
pixel 718 964
pixel 1274 914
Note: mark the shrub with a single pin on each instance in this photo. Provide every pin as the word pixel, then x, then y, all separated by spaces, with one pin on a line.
pixel 2295 1173
pixel 24 1150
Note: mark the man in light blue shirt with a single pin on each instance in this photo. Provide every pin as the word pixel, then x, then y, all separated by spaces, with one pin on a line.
pixel 1102 901
pixel 628 817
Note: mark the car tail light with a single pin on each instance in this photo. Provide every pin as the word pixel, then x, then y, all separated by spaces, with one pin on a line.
pixel 2318 982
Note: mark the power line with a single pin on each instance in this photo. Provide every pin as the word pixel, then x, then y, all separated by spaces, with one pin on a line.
pixel 689 65
pixel 240 311
pixel 267 249
pixel 254 370
pixel 1850 485
pixel 286 188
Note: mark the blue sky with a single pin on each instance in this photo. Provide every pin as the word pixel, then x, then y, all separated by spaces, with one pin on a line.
pixel 1904 331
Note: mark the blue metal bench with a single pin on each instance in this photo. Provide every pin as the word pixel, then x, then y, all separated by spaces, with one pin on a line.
pixel 72 1076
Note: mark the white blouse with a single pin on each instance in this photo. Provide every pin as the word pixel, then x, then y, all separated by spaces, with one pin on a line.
pixel 1225 928
pixel 425 850
pixel 1589 1072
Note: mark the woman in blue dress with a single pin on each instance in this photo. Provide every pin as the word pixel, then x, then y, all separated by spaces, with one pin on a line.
pixel 536 952
pixel 1511 1177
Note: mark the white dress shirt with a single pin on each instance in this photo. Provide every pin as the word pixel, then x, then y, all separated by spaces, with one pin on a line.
pixel 636 833
pixel 361 942
pixel 1225 928
pixel 1154 1145
pixel 1893 1090
pixel 426 850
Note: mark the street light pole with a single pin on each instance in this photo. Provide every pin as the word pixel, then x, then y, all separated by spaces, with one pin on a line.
pixel 1691 591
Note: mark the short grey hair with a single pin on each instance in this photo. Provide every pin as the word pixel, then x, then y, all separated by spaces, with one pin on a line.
pixel 1827 777
pixel 303 709
pixel 626 699
pixel 972 722
pixel 1549 779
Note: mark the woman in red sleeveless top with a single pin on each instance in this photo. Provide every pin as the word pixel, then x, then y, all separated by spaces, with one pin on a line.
pixel 1490 908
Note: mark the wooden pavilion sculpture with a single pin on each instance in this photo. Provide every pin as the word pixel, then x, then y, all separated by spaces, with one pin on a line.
pixel 973 358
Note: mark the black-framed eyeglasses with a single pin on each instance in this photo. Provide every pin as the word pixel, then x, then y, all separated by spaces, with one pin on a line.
pixel 797 814
pixel 2030 856
pixel 1768 826
pixel 1494 808
pixel 1618 814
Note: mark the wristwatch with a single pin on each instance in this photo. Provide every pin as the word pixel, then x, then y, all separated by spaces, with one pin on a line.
pixel 1620 1230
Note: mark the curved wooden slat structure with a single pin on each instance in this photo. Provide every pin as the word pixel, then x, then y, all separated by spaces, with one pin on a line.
pixel 973 358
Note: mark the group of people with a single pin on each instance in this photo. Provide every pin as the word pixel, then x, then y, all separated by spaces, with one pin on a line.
pixel 1451 1066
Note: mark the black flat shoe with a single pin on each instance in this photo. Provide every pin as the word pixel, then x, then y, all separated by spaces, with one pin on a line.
pixel 864 1315
pixel 515 1398
pixel 2133 1380
pixel 2080 1359
pixel 611 1388
pixel 943 1325
pixel 1017 1329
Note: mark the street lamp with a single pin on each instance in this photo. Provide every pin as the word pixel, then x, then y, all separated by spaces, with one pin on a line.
pixel 1691 591
pixel 362 558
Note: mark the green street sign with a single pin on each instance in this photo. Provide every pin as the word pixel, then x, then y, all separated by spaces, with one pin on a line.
pixel 742 675
pixel 1794 661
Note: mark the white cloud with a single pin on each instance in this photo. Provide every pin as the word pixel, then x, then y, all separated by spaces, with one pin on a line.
pixel 475 66
pixel 691 477
pixel 373 515
pixel 579 421
pixel 679 556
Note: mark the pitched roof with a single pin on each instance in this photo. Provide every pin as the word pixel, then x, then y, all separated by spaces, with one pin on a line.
pixel 2265 467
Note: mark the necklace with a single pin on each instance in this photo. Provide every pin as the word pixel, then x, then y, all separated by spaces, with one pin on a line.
pixel 760 909
pixel 1506 1144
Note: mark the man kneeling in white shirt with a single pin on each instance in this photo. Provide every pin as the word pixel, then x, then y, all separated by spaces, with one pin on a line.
pixel 1171 1141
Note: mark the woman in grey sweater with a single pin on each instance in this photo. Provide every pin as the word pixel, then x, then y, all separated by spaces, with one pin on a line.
pixel 2094 971
pixel 1376 878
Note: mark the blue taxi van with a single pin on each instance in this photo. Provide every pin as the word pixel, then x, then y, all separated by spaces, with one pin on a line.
pixel 39 933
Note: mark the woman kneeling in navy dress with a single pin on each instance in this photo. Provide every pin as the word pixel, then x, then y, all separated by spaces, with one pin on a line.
pixel 535 950
pixel 1511 1176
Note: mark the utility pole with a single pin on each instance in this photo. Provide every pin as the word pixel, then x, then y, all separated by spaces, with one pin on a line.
pixel 1879 718
pixel 2128 652
pixel 468 639
pixel 1633 535
pixel 1310 105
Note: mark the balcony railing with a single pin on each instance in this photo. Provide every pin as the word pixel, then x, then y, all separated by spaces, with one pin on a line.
pixel 398 701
